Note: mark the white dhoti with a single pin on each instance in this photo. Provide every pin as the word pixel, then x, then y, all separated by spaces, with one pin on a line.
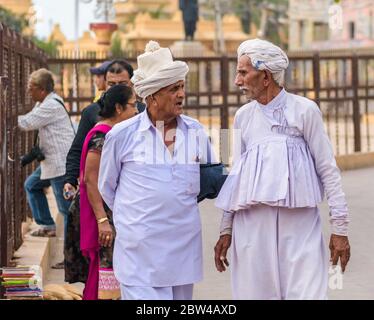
pixel 157 293
pixel 278 253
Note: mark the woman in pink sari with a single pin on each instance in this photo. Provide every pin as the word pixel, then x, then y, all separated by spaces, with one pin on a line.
pixel 96 223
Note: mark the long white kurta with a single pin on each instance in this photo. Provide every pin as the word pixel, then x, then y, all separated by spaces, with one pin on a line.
pixel 270 199
pixel 153 198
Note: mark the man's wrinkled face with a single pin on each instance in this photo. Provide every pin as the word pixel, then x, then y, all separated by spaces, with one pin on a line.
pixel 118 78
pixel 170 100
pixel 37 94
pixel 248 79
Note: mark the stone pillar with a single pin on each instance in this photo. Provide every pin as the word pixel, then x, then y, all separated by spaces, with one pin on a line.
pixel 188 49
pixel 294 35
pixel 103 32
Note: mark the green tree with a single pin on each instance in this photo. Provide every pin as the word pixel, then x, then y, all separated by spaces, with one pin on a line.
pixel 116 46
pixel 16 22
pixel 253 11
pixel 50 47
pixel 19 23
pixel 159 13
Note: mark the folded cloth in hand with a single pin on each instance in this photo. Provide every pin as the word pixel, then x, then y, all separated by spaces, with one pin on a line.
pixel 212 177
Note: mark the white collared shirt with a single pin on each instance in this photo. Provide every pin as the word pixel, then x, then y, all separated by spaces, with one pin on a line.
pixel 286 160
pixel 153 197
pixel 55 134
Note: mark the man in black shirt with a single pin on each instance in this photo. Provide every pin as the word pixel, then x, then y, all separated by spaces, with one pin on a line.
pixel 118 72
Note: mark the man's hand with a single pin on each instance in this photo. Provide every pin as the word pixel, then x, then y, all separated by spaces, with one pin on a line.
pixel 220 251
pixel 340 248
pixel 69 191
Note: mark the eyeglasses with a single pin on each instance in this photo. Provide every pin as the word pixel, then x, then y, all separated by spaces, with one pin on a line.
pixel 32 86
pixel 133 104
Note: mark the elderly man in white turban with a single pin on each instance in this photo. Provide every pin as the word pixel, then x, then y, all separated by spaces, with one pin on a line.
pixel 270 198
pixel 150 177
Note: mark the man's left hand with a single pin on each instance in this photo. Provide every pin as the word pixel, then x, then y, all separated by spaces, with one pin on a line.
pixel 220 252
pixel 340 248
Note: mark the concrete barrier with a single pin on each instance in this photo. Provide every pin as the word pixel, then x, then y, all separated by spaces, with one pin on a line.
pixel 356 160
pixel 40 250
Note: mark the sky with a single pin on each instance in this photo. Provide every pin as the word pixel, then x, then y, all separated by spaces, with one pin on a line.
pixel 49 12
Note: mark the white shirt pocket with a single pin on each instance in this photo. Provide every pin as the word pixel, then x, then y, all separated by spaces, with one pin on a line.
pixel 191 178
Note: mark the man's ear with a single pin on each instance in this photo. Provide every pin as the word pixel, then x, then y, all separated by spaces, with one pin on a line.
pixel 148 100
pixel 153 100
pixel 267 78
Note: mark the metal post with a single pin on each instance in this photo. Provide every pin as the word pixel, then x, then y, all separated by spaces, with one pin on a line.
pixel 76 53
pixel 356 105
pixel 316 78
pixel 225 91
pixel 220 42
pixel 224 138
pixel 2 161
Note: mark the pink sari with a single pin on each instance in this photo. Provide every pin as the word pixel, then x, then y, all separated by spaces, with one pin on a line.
pixel 89 234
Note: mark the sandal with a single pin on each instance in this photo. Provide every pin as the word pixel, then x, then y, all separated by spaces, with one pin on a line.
pixel 44 233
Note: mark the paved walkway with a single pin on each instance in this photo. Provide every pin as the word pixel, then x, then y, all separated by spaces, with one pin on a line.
pixel 358 281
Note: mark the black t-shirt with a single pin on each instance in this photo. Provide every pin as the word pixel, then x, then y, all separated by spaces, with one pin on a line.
pixel 88 120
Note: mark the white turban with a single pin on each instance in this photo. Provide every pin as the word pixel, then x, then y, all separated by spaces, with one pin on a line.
pixel 157 70
pixel 265 56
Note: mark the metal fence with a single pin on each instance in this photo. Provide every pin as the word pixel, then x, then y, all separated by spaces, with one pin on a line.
pixel 342 85
pixel 18 58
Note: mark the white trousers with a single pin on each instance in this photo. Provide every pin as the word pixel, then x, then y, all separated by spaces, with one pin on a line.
pixel 278 253
pixel 157 293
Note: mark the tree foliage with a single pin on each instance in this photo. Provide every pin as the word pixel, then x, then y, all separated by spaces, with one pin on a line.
pixel 116 46
pixel 19 23
pixel 50 47
pixel 159 13
pixel 251 11
pixel 15 22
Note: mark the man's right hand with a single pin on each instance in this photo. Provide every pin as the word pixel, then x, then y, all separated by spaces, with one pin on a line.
pixel 220 252
pixel 69 191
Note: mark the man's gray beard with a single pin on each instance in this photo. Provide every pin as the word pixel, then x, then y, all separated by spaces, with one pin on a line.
pixel 244 90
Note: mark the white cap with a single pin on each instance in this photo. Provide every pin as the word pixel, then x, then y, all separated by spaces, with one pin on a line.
pixel 157 70
pixel 154 58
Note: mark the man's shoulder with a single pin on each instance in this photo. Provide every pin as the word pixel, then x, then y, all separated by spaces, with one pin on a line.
pixel 91 108
pixel 191 122
pixel 53 100
pixel 126 126
pixel 301 104
pixel 301 111
pixel 55 97
pixel 245 108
